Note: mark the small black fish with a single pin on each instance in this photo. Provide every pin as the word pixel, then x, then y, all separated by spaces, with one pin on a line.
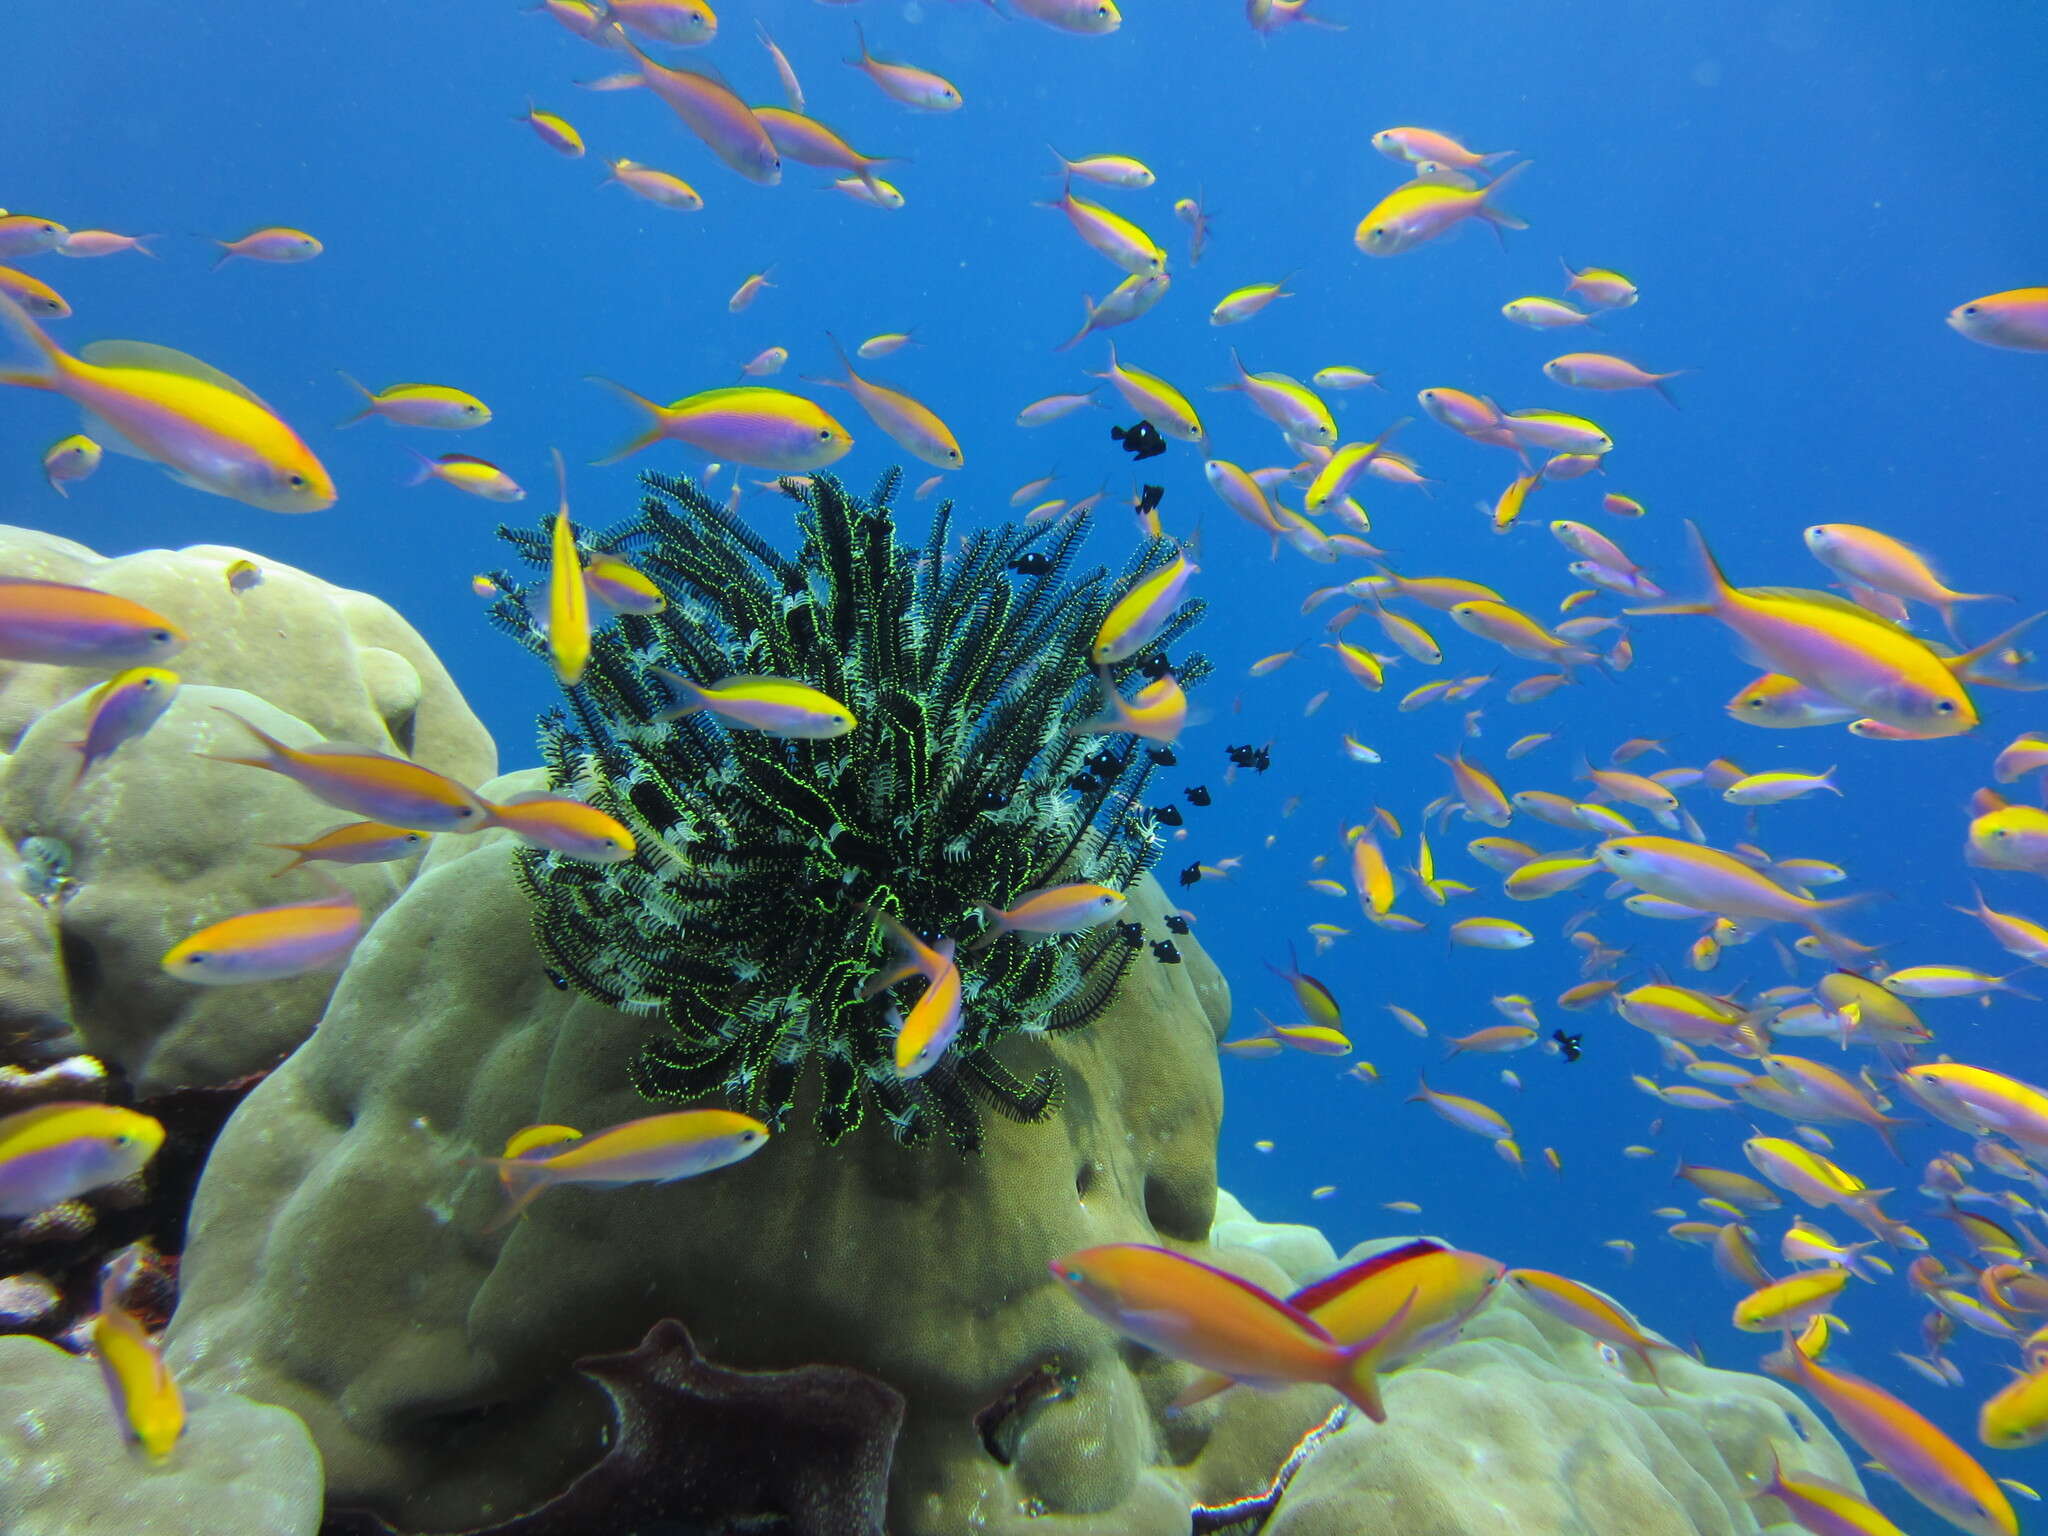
pixel 1175 923
pixel 1032 565
pixel 1104 762
pixel 1162 756
pixel 1156 666
pixel 1263 760
pixel 1165 952
pixel 994 799
pixel 1191 874
pixel 1141 442
pixel 1149 497
pixel 1198 794
pixel 556 978
pixel 1166 815
pixel 1243 757
pixel 1132 934
pixel 1086 783
pixel 1568 1046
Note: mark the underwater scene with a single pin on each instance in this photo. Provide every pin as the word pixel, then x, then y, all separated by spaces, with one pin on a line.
pixel 1111 767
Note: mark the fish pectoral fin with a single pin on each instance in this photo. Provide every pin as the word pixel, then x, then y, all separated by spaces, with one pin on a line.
pixel 110 437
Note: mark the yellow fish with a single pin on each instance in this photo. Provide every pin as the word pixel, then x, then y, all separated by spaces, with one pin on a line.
pixel 54 1152
pixel 1432 205
pixel 750 424
pixel 658 1149
pixel 568 597
pixel 144 1395
pixel 776 706
pixel 203 428
pixel 269 944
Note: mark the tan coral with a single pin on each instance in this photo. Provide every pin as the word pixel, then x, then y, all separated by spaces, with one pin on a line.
pixel 162 841
pixel 339 1263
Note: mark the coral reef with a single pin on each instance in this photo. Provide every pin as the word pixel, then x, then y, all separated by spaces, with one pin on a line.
pixel 241 1469
pixel 969 782
pixel 158 841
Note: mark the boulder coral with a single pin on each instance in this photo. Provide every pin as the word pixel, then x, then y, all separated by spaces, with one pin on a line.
pixel 159 841
pixel 339 1267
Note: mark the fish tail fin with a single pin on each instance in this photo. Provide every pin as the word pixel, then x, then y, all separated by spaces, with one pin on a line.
pixel 692 694
pixel 1495 159
pixel 1964 664
pixel 653 431
pixel 524 1182
pixel 297 850
pixel 1657 383
pixel 1360 1381
pixel 275 752
pixel 1718 589
pixel 367 411
pixel 1490 211
pixel 861 37
pixel 423 468
pixel 38 362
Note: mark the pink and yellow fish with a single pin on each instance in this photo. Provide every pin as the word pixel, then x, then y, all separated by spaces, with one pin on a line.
pixel 269 944
pixel 658 1149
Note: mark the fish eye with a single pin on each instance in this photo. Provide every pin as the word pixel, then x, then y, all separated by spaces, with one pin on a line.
pixel 296 482
pixel 1969 309
pixel 1945 707
pixel 122 1139
pixel 161 636
pixel 824 434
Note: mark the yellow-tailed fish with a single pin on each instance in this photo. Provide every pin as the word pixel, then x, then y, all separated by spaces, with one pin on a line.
pixel 1189 1311
pixel 568 598
pixel 90 243
pixel 1089 18
pixel 750 424
pixel 1430 206
pixel 558 133
pixel 124 706
pixel 1344 465
pixel 274 244
pixel 809 142
pixel 55 1152
pixel 1877 560
pixel 709 109
pixel 656 1150
pixel 269 944
pixel 1071 908
pixel 911 425
pixel 1817 1505
pixel 372 784
pixel 1157 712
pixel 466 473
pixel 1925 1462
pixel 1591 1313
pixel 1789 1304
pixel 1112 235
pixel 1155 400
pixel 147 1406
pixel 70 460
pixel 1466 1114
pixel 2016 319
pixel 1140 613
pixel 1599 286
pixel 776 706
pixel 1541 314
pixel 620 586
pixel 1601 371
pixel 1289 404
pixel 1120 171
pixel 420 405
pixel 60 625
pixel 743 296
pixel 655 186
pixel 34 295
pixel 1240 304
pixel 871 190
pixel 904 83
pixel 565 826
pixel 2016 1416
pixel 203 428
pixel 1719 882
pixel 1342 376
pixel 355 842
pixel 1845 652
pixel 685 23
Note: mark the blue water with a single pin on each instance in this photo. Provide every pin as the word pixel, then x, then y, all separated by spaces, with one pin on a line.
pixel 1801 191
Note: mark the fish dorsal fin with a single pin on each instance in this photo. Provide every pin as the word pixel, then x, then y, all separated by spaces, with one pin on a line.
pixel 1331 1286
pixel 147 354
pixel 1443 176
pixel 1834 602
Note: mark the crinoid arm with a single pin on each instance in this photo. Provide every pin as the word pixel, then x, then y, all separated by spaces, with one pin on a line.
pixel 745 926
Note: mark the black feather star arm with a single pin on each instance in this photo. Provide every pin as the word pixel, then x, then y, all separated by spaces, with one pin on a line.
pixel 744 926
